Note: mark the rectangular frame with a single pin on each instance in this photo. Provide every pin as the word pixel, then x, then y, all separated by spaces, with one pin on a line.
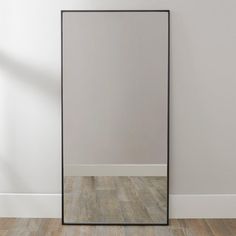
pixel 168 122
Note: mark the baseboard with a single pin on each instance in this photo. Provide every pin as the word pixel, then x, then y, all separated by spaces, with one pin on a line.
pixel 202 206
pixel 28 205
pixel 181 206
pixel 115 170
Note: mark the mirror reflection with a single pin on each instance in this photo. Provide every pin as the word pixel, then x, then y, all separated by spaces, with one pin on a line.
pixel 115 117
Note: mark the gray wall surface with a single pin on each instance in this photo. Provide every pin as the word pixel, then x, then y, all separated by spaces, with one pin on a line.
pixel 203 97
pixel 115 87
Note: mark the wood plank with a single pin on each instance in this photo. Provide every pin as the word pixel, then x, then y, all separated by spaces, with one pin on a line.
pixel 103 199
pixel 109 209
pixel 219 228
pixel 134 212
pixel 231 224
pixel 53 227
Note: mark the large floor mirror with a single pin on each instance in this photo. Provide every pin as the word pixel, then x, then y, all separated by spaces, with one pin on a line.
pixel 115 117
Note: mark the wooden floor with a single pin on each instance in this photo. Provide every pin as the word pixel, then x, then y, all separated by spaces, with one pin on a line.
pixel 115 199
pixel 53 227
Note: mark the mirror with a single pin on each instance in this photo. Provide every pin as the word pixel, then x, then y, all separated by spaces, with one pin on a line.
pixel 115 119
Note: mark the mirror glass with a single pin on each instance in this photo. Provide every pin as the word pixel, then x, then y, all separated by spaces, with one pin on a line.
pixel 115 80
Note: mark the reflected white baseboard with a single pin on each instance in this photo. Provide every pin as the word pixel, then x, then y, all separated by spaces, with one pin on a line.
pixel 116 170
pixel 181 205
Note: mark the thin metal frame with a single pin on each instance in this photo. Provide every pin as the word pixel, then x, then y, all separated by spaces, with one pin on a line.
pixel 168 123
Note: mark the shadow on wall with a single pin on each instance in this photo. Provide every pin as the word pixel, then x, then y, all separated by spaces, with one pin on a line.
pixel 47 84
pixel 36 77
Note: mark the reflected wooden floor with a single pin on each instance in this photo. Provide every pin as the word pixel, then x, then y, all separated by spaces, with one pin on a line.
pixel 115 199
pixel 53 227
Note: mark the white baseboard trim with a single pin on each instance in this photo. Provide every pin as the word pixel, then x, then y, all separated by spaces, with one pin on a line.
pixel 26 205
pixel 115 170
pixel 202 206
pixel 181 206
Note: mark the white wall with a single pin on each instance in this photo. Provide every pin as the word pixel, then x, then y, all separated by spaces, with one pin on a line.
pixel 203 97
